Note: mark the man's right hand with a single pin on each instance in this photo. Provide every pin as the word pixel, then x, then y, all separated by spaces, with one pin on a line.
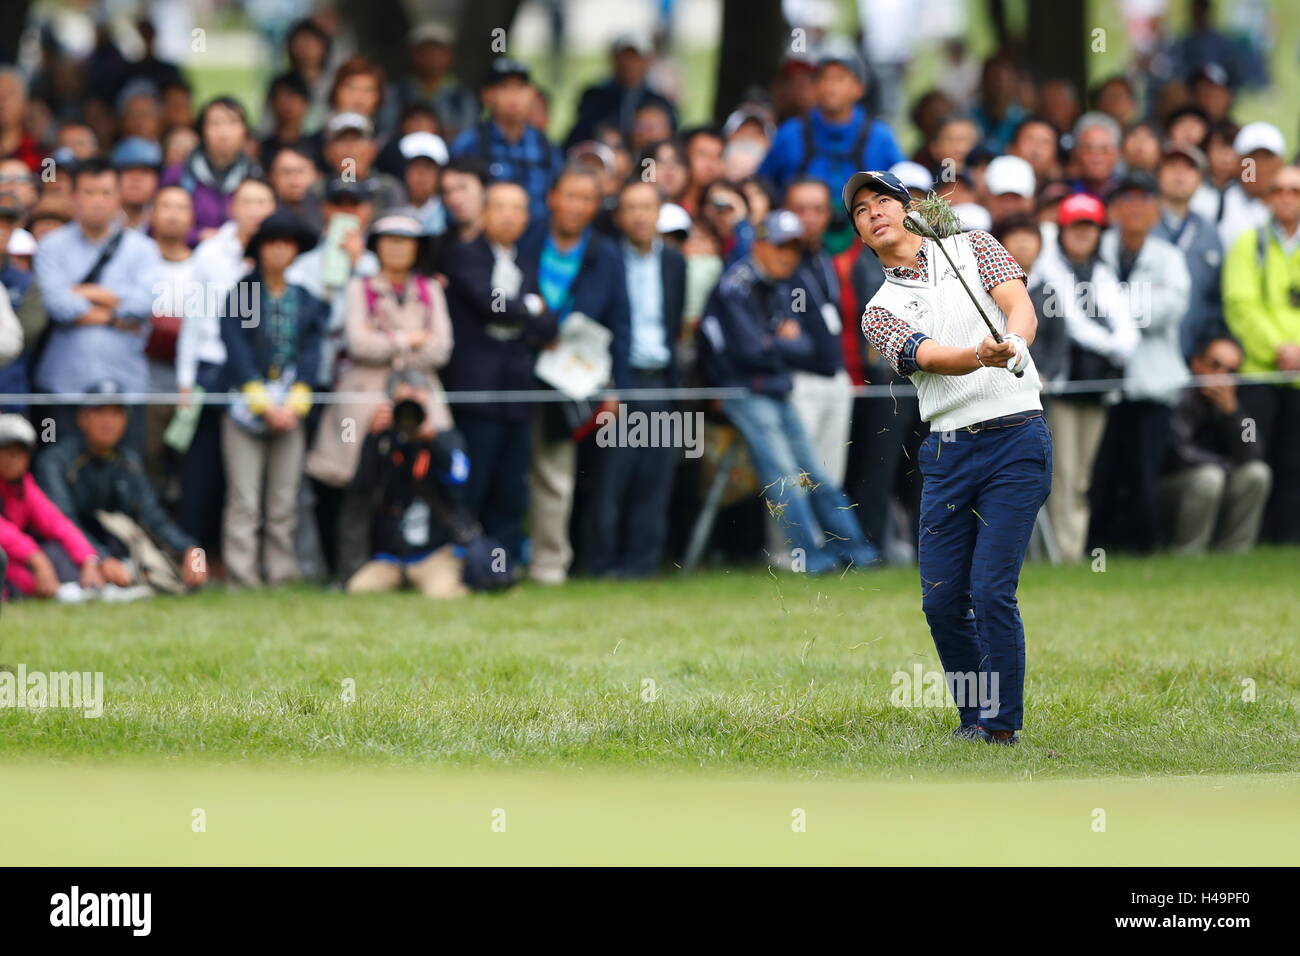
pixel 382 419
pixel 45 582
pixel 115 572
pixel 996 354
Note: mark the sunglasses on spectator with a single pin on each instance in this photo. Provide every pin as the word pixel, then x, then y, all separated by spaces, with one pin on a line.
pixel 16 178
pixel 1294 190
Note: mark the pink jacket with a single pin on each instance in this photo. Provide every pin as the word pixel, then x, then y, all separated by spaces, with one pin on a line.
pixel 27 518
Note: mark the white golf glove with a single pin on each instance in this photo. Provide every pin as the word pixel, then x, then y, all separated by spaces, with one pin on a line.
pixel 1021 359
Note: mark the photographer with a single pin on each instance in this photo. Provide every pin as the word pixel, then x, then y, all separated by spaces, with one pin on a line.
pixel 413 481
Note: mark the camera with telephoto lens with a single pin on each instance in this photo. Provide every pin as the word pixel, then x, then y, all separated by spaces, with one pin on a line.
pixel 408 416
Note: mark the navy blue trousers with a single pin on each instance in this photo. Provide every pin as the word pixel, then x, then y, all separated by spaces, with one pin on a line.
pixel 979 499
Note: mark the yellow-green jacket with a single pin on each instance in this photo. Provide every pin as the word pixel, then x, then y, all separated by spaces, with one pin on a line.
pixel 1259 305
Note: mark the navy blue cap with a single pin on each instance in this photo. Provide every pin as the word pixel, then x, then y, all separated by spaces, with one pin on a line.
pixel 503 68
pixel 877 180
pixel 104 388
pixel 1136 181
pixel 135 152
pixel 360 190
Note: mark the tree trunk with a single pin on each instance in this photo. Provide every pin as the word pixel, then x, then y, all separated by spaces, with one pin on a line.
pixel 755 37
pixel 476 41
pixel 1057 40
pixel 13 20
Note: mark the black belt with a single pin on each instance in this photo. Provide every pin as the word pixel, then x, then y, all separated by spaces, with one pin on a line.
pixel 1006 421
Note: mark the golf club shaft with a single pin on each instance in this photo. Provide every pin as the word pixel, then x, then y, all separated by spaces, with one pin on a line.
pixel 997 337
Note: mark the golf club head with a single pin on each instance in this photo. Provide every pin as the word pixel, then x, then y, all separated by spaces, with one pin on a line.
pixel 915 223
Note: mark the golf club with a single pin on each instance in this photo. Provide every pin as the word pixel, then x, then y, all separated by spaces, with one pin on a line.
pixel 915 223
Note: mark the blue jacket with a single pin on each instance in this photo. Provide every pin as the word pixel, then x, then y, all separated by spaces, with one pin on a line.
pixel 248 350
pixel 834 157
pixel 736 340
pixel 599 291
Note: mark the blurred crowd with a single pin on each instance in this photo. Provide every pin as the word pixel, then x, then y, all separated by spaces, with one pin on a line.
pixel 397 241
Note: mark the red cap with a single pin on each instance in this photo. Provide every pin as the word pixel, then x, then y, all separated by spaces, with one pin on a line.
pixel 1080 207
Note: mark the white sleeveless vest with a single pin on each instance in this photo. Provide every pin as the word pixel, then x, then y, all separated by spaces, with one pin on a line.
pixel 939 307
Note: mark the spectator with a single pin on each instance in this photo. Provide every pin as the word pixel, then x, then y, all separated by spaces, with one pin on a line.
pixel 618 100
pixel 1215 483
pixel 218 263
pixel 999 112
pixel 432 82
pixel 463 185
pixel 1096 154
pixel 1036 142
pixel 293 174
pixel 1261 147
pixel 416 118
pixel 633 486
pixel 178 142
pixel 96 279
pixel 512 149
pixel 139 111
pixel 425 155
pixel 1021 236
pixel 499 322
pixel 654 123
pixel 396 320
pixel 944 153
pixel 750 338
pixel 273 362
pixel 325 270
pixel 1008 188
pixel 43 546
pixel 724 212
pixel 1126 499
pixel 358 88
pixel 350 154
pixel 820 390
pixel 1180 175
pixel 1225 168
pixel 1114 96
pixel 47 215
pixel 1210 90
pixel 102 486
pixel 704 147
pixel 1187 126
pixel 217 166
pixel 1262 308
pixel 138 163
pixel 17 179
pixel 288 100
pixel 15 141
pixel 665 163
pixel 1059 104
pixel 308 47
pixel 1086 291
pixel 170 221
pixel 78 139
pixel 412 481
pixel 1141 149
pixel 579 272
pixel 837 137
pixel 23 300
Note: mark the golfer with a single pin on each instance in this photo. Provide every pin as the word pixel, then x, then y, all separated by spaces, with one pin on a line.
pixel 987 462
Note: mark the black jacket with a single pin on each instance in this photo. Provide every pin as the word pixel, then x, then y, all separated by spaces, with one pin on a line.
pixel 602 105
pixel 80 484
pixel 497 339
pixel 820 317
pixel 414 491
pixel 248 347
pixel 1200 434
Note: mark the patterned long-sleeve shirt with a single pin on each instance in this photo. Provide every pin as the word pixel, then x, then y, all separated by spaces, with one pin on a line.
pixel 895 338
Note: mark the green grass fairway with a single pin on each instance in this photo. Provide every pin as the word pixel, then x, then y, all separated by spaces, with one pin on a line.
pixel 1140 670
pixel 144 815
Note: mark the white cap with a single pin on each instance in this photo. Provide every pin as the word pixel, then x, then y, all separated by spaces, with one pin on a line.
pixel 1010 174
pixel 1259 135
pixel 423 144
pixel 673 218
pixel 973 216
pixel 913 175
pixel 16 430
pixel 21 243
